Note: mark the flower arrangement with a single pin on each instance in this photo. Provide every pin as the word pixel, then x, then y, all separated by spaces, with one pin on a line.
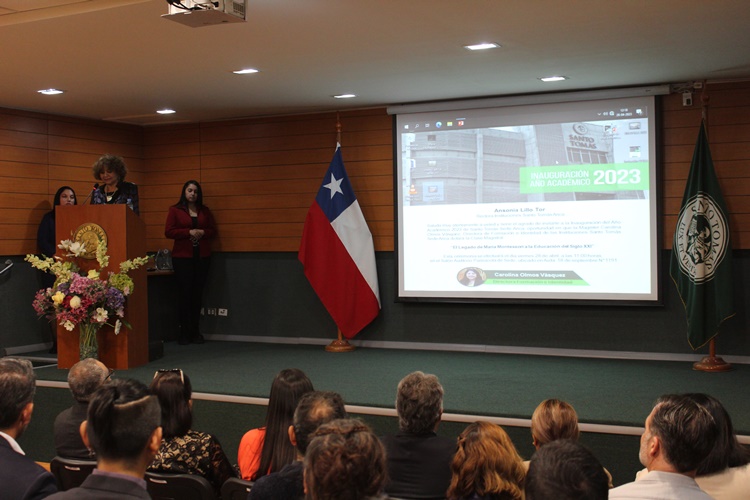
pixel 77 299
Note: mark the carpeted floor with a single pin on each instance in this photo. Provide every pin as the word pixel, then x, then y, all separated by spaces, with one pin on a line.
pixel 604 391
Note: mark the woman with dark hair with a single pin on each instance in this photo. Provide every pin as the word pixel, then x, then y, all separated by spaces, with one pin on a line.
pixel 486 465
pixel 47 244
pixel 45 235
pixel 345 461
pixel 191 226
pixel 268 449
pixel 184 450
pixel 114 190
pixel 725 472
pixel 471 276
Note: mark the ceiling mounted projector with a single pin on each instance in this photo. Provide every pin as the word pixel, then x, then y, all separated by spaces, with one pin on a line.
pixel 197 13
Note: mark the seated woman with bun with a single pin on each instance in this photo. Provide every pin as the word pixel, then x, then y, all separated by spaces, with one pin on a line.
pixel 184 450
pixel 345 461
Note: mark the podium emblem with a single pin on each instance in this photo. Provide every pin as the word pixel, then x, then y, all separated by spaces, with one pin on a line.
pixel 89 234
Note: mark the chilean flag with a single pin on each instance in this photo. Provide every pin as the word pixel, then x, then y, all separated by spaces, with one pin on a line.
pixel 338 254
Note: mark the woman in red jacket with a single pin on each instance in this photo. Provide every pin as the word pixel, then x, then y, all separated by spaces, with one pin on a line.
pixel 191 226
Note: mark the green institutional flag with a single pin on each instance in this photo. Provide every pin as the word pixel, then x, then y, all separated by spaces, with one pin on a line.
pixel 701 264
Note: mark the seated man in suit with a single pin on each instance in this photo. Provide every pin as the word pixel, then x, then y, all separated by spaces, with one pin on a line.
pixel 679 435
pixel 313 410
pixel 123 427
pixel 566 470
pixel 20 476
pixel 84 378
pixel 418 459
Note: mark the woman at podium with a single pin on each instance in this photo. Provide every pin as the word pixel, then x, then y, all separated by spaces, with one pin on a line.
pixel 114 190
pixel 192 227
pixel 47 243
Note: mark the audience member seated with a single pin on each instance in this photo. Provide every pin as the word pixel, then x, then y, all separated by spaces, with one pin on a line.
pixel 123 429
pixel 267 449
pixel 184 450
pixel 314 409
pixel 344 461
pixel 566 470
pixel 84 378
pixel 725 473
pixel 418 459
pixel 20 476
pixel 552 420
pixel 486 465
pixel 679 436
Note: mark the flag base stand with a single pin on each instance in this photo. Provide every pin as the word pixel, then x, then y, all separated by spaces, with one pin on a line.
pixel 712 364
pixel 340 345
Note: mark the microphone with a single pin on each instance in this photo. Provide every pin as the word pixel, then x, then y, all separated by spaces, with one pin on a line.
pixel 96 186
pixel 8 265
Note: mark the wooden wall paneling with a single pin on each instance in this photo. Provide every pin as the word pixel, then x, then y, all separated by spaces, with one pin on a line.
pixel 102 131
pixel 11 119
pixel 23 216
pixel 22 139
pixel 21 154
pixel 23 170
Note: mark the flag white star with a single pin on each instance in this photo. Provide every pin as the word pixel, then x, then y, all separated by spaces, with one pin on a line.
pixel 334 186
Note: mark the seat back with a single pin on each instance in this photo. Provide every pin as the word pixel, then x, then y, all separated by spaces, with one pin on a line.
pixel 178 487
pixel 69 472
pixel 235 489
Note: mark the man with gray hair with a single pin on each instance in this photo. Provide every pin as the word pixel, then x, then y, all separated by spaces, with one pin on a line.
pixel 679 435
pixel 418 459
pixel 20 476
pixel 84 378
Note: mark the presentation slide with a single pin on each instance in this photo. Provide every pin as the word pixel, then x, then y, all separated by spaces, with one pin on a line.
pixel 548 202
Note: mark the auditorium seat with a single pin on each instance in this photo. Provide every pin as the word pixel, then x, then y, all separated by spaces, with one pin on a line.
pixel 235 489
pixel 183 486
pixel 69 472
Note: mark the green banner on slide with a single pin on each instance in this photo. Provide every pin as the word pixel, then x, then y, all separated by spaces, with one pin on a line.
pixel 507 277
pixel 601 177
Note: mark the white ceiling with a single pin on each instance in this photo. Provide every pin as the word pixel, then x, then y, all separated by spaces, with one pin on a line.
pixel 120 60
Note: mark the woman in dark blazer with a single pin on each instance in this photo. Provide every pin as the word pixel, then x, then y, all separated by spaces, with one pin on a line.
pixel 46 242
pixel 192 227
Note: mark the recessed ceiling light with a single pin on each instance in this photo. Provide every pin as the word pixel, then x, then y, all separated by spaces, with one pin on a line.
pixel 166 111
pixel 482 46
pixel 246 71
pixel 553 78
pixel 50 91
pixel 344 96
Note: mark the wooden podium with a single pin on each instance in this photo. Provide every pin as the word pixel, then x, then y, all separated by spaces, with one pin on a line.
pixel 126 239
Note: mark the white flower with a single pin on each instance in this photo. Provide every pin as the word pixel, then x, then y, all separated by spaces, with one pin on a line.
pixel 118 325
pixel 101 315
pixel 75 302
pixel 68 325
pixel 74 248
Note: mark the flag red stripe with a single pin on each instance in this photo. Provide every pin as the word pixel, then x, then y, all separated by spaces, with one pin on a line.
pixel 334 276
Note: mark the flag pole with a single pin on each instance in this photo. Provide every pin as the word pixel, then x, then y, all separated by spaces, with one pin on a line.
pixel 340 344
pixel 712 362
